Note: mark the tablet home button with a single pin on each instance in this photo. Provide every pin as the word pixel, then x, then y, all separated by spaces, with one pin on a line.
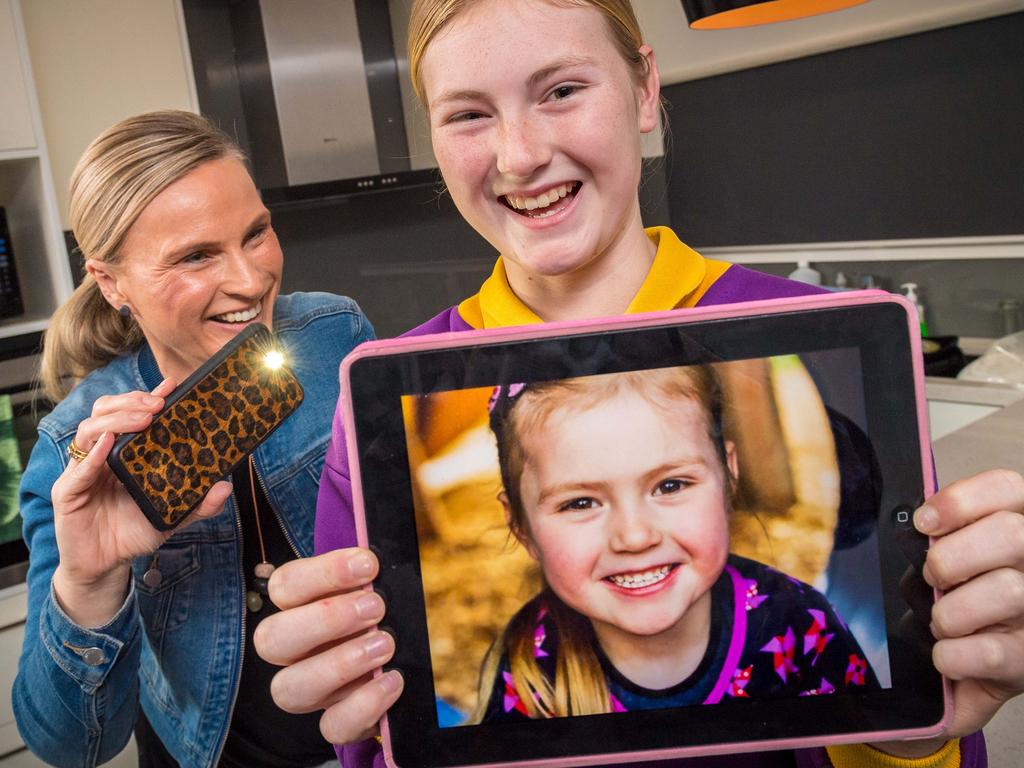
pixel 903 515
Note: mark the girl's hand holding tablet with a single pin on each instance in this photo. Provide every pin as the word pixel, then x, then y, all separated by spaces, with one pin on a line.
pixel 978 561
pixel 324 638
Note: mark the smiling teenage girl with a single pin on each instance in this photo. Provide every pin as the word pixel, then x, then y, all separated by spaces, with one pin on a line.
pixel 527 100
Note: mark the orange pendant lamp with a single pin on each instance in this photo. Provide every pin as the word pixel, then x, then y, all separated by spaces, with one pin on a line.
pixel 729 14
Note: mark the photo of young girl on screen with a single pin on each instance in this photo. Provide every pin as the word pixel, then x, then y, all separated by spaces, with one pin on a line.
pixel 648 539
pixel 621 487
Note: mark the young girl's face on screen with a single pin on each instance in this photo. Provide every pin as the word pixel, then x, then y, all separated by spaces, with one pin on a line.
pixel 626 510
pixel 536 120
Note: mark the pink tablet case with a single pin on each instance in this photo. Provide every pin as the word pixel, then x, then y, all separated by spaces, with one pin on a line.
pixel 651 320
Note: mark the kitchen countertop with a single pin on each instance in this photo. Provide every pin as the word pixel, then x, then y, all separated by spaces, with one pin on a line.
pixel 994 441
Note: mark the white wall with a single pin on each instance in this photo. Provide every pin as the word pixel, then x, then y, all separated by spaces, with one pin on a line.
pixel 98 61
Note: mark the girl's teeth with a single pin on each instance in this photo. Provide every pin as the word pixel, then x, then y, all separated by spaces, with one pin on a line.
pixel 641 579
pixel 541 201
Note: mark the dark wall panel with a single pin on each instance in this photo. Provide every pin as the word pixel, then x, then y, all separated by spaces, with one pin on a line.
pixel 914 137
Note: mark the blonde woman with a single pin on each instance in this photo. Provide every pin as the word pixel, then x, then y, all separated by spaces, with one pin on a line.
pixel 536 110
pixel 129 627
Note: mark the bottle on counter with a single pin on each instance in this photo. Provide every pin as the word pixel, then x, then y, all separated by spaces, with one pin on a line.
pixel 910 291
pixel 805 273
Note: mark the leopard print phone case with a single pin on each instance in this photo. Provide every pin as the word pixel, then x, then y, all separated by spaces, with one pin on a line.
pixel 208 426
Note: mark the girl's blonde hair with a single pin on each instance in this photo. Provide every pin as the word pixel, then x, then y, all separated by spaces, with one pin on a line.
pixel 123 169
pixel 579 686
pixel 429 17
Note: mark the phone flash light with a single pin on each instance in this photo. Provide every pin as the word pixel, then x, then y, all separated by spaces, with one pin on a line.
pixel 273 359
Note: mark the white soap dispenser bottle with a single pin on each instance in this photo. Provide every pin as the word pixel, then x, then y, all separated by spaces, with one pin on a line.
pixel 910 291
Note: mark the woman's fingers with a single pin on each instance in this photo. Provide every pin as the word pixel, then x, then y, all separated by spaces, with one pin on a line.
pixel 313 683
pixel 164 388
pixel 355 715
pixel 70 492
pixel 118 423
pixel 294 634
pixel 302 581
pixel 210 506
pixel 126 412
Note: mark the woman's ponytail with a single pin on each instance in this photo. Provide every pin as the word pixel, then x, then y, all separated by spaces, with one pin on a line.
pixel 85 333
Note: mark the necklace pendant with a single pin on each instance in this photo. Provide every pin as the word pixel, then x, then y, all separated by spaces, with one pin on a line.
pixel 253 601
pixel 262 578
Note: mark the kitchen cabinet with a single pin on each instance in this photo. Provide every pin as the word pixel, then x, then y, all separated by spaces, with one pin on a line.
pixel 26 186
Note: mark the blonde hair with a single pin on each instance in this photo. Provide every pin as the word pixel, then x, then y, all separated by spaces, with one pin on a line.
pixel 121 171
pixel 429 17
pixel 579 686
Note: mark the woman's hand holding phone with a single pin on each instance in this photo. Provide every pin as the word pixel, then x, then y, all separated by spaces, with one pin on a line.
pixel 325 638
pixel 99 528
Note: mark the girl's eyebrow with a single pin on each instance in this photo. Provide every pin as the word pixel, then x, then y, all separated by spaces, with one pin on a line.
pixel 563 63
pixel 570 487
pixel 470 94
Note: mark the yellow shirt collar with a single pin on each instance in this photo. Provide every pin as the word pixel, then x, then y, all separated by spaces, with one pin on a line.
pixel 678 277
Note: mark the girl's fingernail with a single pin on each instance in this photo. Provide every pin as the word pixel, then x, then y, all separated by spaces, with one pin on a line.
pixel 926 519
pixel 390 681
pixel 377 645
pixel 361 566
pixel 369 606
pixel 150 400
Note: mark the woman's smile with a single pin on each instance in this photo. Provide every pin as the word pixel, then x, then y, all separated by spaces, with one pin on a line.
pixel 239 316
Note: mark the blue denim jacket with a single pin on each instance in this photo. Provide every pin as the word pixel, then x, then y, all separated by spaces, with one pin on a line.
pixel 176 648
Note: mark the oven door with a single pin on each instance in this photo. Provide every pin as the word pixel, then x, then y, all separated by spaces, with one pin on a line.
pixel 20 411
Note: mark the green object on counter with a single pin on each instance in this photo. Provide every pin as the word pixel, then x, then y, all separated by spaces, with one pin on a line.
pixel 10 474
pixel 910 291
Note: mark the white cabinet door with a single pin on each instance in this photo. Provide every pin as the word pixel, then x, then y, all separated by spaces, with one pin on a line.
pixel 16 126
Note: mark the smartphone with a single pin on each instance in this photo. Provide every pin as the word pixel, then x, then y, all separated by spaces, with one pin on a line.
pixel 208 426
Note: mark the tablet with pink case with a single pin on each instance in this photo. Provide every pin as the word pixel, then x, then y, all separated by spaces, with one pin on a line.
pixel 563 644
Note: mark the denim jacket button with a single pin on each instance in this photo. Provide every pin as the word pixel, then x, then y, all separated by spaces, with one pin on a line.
pixel 152 578
pixel 93 656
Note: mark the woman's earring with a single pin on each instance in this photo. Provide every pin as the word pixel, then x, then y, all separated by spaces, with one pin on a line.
pixel 124 311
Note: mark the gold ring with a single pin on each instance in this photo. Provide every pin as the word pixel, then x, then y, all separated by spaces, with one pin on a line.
pixel 75 452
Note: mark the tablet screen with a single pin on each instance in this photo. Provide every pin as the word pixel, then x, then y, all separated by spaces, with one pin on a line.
pixel 690 525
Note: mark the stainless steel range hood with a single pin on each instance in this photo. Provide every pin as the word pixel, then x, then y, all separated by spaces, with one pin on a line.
pixel 323 101
pixel 312 89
